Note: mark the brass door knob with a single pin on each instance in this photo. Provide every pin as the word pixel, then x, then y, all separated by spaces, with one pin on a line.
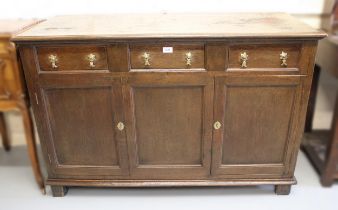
pixel 217 125
pixel 188 57
pixel 120 126
pixel 92 59
pixel 146 59
pixel 244 59
pixel 53 59
pixel 283 58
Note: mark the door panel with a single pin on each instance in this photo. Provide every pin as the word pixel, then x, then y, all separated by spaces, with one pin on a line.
pixel 170 131
pixel 82 126
pixel 155 105
pixel 256 116
pixel 85 142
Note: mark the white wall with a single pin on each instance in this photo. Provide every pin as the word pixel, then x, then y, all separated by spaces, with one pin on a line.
pixel 45 8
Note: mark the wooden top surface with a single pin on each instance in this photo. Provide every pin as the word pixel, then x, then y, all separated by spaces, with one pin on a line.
pixel 193 25
pixel 9 27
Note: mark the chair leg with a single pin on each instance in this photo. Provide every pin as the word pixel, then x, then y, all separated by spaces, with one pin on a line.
pixel 32 150
pixel 3 131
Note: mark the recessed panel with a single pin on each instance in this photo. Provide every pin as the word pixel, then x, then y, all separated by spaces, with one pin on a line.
pixel 169 125
pixel 256 124
pixel 82 126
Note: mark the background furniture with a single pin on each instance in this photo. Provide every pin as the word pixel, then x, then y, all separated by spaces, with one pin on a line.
pixel 174 100
pixel 322 146
pixel 12 90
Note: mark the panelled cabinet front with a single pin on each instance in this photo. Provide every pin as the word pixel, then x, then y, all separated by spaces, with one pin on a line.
pixel 77 115
pixel 168 126
pixel 215 115
pixel 258 118
pixel 82 125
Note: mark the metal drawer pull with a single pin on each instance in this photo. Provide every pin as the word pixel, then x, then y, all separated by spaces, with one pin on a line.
pixel 217 125
pixel 53 59
pixel 120 126
pixel 188 57
pixel 146 59
pixel 283 57
pixel 92 59
pixel 244 59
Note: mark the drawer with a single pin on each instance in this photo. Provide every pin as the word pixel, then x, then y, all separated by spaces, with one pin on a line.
pixel 167 56
pixel 264 56
pixel 68 58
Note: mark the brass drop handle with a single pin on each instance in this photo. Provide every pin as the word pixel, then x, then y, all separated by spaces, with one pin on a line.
pixel 146 59
pixel 244 59
pixel 120 126
pixel 188 57
pixel 53 59
pixel 217 125
pixel 92 59
pixel 283 59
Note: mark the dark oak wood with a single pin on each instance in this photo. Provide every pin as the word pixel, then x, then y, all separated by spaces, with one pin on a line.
pixel 59 191
pixel 118 56
pixel 13 91
pixel 168 125
pixel 173 60
pixel 92 146
pixel 168 183
pixel 214 51
pixel 282 189
pixel 72 58
pixel 264 55
pixel 264 108
pixel 31 144
pixel 168 109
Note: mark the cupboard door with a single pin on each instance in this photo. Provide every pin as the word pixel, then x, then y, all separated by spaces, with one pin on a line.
pixel 169 125
pixel 258 118
pixel 84 140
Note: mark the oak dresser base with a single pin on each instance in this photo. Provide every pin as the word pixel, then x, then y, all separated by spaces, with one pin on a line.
pixel 60 186
pixel 195 102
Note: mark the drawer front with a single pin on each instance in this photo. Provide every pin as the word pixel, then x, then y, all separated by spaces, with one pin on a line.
pixel 264 56
pixel 167 56
pixel 67 58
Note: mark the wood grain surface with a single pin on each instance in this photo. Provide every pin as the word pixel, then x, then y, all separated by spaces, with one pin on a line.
pixel 164 25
